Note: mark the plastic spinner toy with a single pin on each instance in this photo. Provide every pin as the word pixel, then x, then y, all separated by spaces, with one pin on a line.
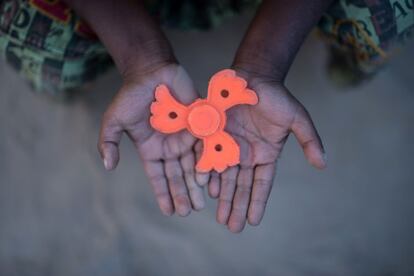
pixel 205 118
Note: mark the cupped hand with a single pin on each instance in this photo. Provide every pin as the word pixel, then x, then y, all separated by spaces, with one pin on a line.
pixel 168 159
pixel 261 132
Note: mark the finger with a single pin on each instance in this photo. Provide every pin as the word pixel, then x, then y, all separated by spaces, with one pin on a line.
pixel 109 139
pixel 196 192
pixel 158 180
pixel 238 215
pixel 214 185
pixel 228 186
pixel 177 187
pixel 201 178
pixel 262 186
pixel 309 139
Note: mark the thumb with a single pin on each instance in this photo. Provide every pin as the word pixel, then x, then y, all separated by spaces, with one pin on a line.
pixel 308 138
pixel 109 139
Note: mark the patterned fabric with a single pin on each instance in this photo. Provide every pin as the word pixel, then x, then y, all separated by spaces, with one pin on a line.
pixel 49 45
pixel 54 50
pixel 369 30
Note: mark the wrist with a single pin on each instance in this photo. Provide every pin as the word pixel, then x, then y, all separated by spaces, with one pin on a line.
pixel 258 65
pixel 145 58
pixel 254 71
pixel 130 34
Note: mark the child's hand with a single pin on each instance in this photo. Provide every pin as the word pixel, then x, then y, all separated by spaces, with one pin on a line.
pixel 168 159
pixel 263 59
pixel 261 131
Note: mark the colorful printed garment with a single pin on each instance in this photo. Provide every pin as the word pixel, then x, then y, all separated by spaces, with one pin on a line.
pixel 47 43
pixel 368 30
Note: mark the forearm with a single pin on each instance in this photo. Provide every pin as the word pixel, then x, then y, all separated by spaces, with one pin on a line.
pixel 276 34
pixel 134 40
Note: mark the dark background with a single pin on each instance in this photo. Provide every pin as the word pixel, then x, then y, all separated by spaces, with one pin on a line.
pixel 62 214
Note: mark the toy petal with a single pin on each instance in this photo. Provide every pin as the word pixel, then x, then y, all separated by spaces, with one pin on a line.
pixel 168 115
pixel 226 90
pixel 219 152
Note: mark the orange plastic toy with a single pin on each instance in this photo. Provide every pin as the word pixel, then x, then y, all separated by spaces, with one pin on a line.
pixel 205 118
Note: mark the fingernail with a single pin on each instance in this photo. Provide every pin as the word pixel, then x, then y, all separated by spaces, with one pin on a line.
pixel 183 211
pixel 167 210
pixel 106 164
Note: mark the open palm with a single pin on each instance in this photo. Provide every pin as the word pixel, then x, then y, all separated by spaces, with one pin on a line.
pixel 168 159
pixel 261 132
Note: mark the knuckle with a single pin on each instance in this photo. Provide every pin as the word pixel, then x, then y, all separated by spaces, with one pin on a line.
pixel 228 181
pixel 162 195
pixel 239 210
pixel 260 202
pixel 244 189
pixel 226 201
pixel 176 180
pixel 157 178
pixel 308 143
pixel 180 195
pixel 263 183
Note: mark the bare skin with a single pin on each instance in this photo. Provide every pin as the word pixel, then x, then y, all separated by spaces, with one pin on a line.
pixel 264 58
pixel 169 160
pixel 261 131
pixel 145 59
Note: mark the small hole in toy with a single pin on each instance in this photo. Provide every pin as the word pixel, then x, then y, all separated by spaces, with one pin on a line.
pixel 173 115
pixel 224 93
pixel 218 147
